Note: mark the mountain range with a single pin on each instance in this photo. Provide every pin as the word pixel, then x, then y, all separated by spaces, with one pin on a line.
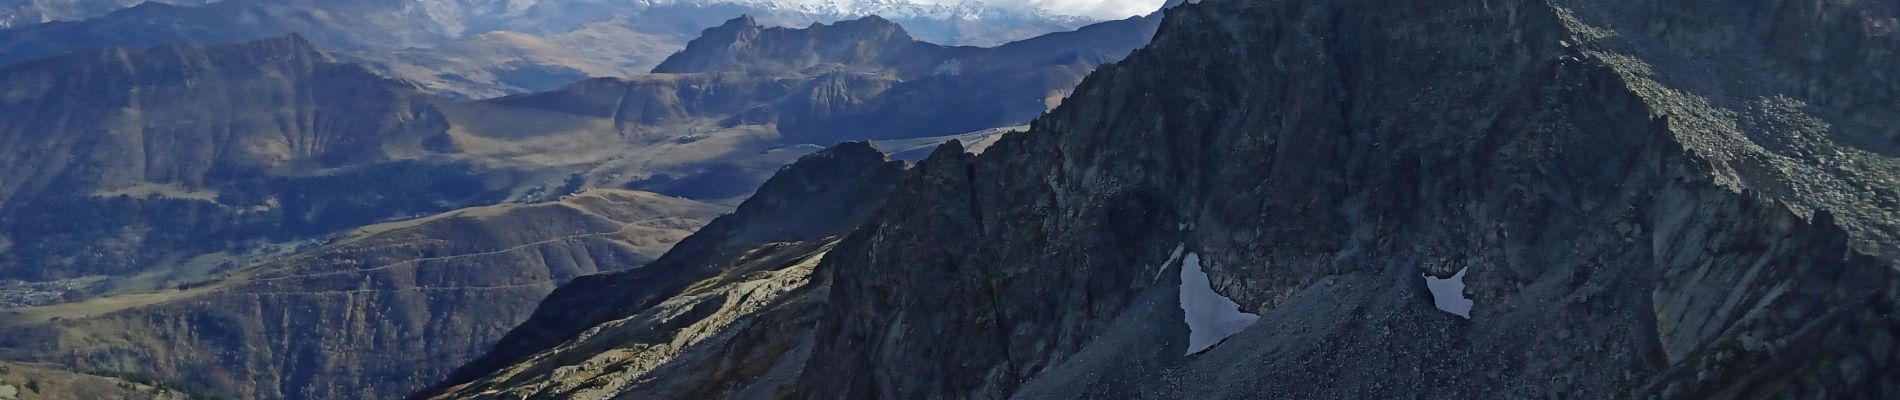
pixel 481 48
pixel 170 198
pixel 1312 199
pixel 1345 199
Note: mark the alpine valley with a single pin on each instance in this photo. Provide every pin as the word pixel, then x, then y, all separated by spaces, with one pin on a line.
pixel 886 199
pixel 267 219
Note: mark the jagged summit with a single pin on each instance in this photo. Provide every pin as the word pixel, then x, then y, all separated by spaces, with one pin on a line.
pixel 741 44
pixel 743 22
pixel 871 26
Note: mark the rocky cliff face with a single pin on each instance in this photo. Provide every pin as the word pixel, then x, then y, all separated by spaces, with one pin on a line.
pixel 1655 200
pixel 379 313
pixel 752 265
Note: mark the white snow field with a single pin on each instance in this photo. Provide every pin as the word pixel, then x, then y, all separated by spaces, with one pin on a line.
pixel 1210 316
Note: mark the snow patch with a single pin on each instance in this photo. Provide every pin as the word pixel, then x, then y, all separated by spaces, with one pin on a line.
pixel 1210 316
pixel 1171 259
pixel 1449 294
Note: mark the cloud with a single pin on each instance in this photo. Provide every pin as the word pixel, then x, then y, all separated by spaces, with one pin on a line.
pixel 1101 9
pixel 1105 9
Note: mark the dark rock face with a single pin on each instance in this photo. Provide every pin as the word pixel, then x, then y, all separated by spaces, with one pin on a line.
pixel 794 217
pixel 1628 226
pixel 1641 200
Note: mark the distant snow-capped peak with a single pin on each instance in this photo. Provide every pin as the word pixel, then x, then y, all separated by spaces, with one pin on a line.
pixel 898 9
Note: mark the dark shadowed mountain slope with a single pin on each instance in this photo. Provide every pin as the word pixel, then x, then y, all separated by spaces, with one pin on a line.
pixel 42 382
pixel 754 259
pixel 162 115
pixel 208 145
pixel 1639 200
pixel 378 313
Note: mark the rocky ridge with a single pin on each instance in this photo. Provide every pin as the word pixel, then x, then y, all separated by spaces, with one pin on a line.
pixel 730 286
pixel 1656 200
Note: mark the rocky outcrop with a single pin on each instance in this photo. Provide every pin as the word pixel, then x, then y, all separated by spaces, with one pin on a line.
pixel 379 313
pixel 1667 200
pixel 728 287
